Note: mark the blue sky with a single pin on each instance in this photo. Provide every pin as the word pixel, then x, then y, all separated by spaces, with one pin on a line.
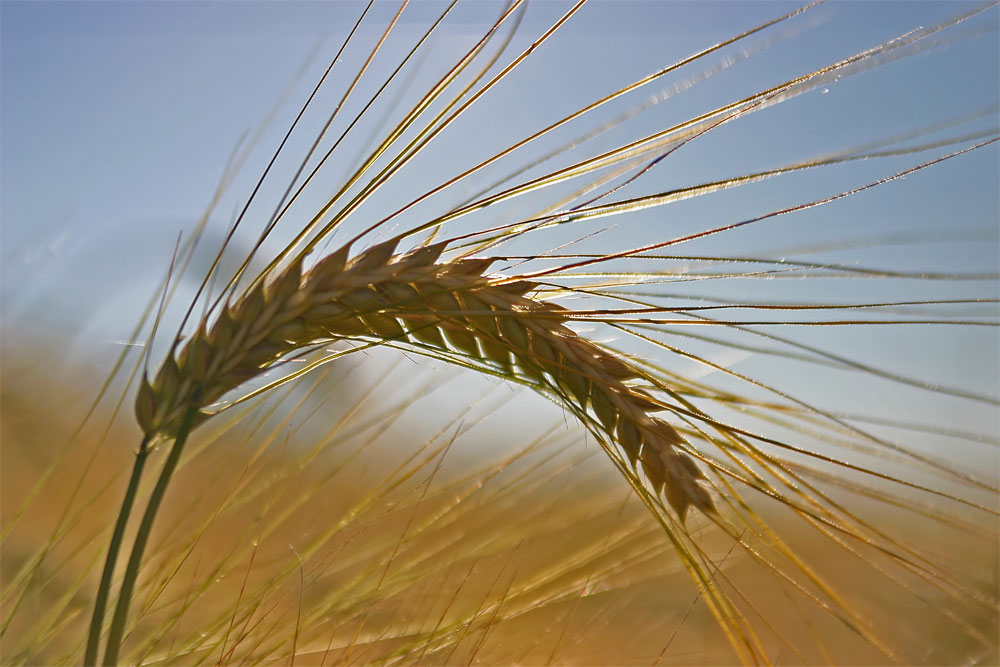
pixel 120 112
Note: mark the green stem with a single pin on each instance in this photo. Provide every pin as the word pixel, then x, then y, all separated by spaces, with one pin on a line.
pixel 104 588
pixel 145 528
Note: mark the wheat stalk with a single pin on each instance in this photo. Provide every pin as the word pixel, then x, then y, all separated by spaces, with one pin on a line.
pixel 384 296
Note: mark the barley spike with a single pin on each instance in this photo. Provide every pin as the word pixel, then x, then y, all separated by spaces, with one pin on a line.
pixel 453 306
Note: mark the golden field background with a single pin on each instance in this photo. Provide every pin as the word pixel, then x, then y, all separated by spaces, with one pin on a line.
pixel 352 545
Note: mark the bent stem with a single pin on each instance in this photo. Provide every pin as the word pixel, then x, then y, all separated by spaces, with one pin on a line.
pixel 104 588
pixel 145 528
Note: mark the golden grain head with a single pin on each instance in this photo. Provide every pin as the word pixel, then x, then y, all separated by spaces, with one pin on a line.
pixel 451 306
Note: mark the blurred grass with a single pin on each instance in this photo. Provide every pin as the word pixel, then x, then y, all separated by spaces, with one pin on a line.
pixel 351 544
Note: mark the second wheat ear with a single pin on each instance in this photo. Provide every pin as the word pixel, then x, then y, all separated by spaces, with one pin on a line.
pixel 448 305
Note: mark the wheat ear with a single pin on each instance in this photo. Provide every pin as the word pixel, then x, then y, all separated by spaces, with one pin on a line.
pixel 449 306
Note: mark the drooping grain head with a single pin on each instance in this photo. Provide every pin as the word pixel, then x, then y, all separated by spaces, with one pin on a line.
pixel 451 306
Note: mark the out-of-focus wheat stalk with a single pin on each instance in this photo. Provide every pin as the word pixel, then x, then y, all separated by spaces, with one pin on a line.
pixel 815 469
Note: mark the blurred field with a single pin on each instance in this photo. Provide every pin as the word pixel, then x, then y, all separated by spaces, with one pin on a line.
pixel 348 543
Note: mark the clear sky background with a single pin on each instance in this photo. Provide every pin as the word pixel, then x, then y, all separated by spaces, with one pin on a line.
pixel 117 119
